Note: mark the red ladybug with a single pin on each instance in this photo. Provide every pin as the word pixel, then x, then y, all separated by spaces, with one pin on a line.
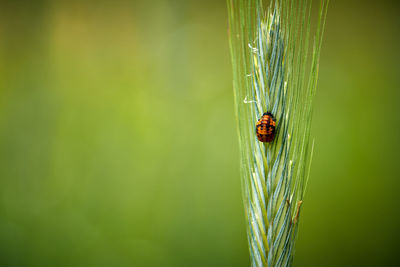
pixel 265 128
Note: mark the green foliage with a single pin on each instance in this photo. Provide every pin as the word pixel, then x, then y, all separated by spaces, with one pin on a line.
pixel 272 72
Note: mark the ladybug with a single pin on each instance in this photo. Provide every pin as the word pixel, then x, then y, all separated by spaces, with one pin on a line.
pixel 265 128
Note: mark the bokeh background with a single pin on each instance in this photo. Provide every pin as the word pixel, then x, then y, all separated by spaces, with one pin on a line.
pixel 118 141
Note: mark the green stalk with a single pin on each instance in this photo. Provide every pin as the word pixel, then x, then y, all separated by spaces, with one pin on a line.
pixel 273 72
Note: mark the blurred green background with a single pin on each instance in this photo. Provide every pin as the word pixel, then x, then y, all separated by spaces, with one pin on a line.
pixel 118 141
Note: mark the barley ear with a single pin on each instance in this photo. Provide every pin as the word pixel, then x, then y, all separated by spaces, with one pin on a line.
pixel 275 52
